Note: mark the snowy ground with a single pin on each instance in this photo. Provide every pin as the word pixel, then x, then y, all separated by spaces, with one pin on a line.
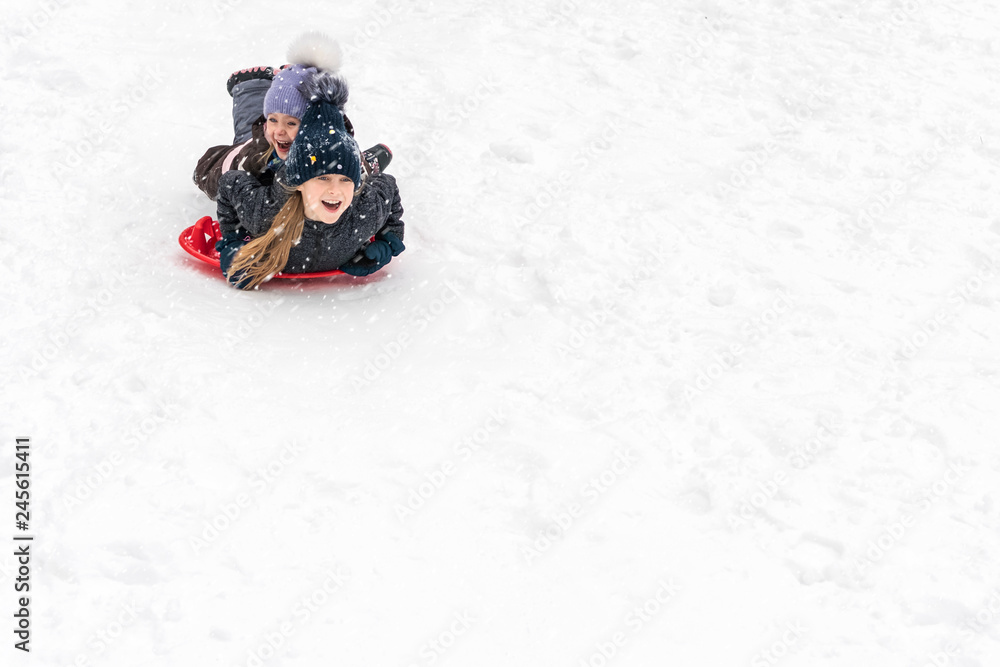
pixel 692 357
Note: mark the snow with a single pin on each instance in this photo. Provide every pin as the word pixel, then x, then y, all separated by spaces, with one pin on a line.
pixel 691 357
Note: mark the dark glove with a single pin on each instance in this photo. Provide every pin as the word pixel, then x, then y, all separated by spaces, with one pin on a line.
pixel 364 267
pixel 394 243
pixel 379 251
pixel 228 246
pixel 376 254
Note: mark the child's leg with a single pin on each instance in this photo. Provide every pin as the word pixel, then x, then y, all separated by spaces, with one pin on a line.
pixel 248 105
pixel 248 88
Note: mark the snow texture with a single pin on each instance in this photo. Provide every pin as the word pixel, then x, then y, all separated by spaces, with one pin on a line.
pixel 691 359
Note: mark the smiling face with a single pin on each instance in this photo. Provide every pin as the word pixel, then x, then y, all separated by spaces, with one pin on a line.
pixel 327 197
pixel 280 130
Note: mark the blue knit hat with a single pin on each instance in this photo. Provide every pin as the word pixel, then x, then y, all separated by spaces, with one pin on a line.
pixel 323 145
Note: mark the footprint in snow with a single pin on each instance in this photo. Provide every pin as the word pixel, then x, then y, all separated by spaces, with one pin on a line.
pixel 512 152
pixel 782 231
pixel 722 295
pixel 813 557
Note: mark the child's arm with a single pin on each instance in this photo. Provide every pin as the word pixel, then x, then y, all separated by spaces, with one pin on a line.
pixel 220 159
pixel 388 204
pixel 245 203
pixel 388 241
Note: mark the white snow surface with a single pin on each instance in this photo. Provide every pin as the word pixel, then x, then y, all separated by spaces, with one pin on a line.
pixel 691 359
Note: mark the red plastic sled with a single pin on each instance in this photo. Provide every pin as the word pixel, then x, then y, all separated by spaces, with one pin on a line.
pixel 199 241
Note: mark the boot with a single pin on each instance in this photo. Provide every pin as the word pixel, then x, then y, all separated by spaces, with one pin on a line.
pixel 248 74
pixel 376 159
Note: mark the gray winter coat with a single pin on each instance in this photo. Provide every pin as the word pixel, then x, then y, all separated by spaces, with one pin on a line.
pixel 244 205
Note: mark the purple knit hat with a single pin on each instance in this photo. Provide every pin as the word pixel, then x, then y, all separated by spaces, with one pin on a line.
pixel 311 52
pixel 284 96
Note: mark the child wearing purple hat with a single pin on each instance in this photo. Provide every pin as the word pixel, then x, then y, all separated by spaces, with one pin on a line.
pixel 324 212
pixel 262 141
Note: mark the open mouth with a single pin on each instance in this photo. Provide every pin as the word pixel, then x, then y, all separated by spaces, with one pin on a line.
pixel 332 205
pixel 284 146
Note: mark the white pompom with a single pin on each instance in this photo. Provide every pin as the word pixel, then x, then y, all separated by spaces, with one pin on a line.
pixel 314 49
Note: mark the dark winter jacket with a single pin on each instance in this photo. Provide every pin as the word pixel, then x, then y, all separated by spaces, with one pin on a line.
pixel 248 156
pixel 245 205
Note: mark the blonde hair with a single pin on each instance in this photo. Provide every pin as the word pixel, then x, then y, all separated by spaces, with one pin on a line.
pixel 266 255
pixel 258 162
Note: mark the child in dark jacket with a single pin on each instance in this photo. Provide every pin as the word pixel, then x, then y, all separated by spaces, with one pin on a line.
pixel 318 214
pixel 261 142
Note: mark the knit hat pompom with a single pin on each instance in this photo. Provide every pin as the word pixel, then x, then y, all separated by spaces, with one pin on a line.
pixel 323 145
pixel 314 49
pixel 310 53
pixel 325 87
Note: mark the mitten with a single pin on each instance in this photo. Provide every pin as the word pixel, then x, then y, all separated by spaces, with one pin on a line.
pixel 394 243
pixel 379 251
pixel 375 255
pixel 228 246
pixel 365 267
